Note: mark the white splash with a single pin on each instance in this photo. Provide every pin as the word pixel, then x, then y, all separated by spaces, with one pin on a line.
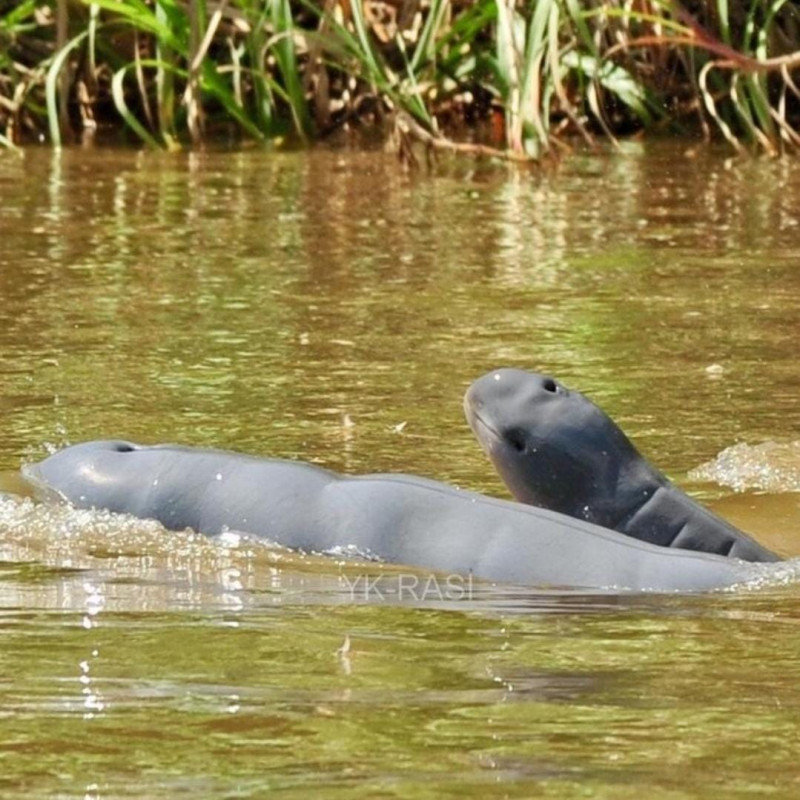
pixel 769 467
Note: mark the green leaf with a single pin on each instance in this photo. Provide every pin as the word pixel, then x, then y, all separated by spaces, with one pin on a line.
pixel 614 78
pixel 50 86
pixel 118 93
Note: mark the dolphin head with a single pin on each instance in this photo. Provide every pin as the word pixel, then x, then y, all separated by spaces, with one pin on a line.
pixel 554 448
pixel 83 474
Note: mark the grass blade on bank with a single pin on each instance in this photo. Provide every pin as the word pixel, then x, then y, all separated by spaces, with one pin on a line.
pixel 51 82
pixel 118 93
pixel 283 47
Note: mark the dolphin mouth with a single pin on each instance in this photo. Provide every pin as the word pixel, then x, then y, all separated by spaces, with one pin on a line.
pixel 477 422
pixel 40 488
pixel 31 473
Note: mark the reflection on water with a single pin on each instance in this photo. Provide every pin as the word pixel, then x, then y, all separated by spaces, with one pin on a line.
pixel 143 662
pixel 328 307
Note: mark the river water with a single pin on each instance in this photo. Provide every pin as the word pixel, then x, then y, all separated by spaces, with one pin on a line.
pixel 329 307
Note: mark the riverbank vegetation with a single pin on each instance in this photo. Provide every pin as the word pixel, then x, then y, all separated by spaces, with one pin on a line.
pixel 519 78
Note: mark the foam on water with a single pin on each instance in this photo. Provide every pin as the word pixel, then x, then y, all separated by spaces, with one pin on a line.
pixel 769 467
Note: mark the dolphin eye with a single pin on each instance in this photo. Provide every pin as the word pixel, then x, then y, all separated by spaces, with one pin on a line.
pixel 123 447
pixel 516 439
pixel 549 385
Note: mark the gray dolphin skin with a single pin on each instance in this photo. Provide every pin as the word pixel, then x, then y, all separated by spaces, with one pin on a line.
pixel 554 448
pixel 401 519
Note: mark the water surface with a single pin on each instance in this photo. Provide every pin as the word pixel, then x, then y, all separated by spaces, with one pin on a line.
pixel 329 307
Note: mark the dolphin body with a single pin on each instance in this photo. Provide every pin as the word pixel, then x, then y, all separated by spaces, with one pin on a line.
pixel 398 518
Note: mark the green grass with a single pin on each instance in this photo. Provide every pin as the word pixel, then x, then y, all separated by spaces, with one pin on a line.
pixel 174 73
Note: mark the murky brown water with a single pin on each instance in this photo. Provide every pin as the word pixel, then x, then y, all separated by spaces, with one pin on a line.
pixel 254 301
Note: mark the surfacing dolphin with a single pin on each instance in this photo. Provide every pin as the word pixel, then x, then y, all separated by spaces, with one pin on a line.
pixel 399 518
pixel 556 449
